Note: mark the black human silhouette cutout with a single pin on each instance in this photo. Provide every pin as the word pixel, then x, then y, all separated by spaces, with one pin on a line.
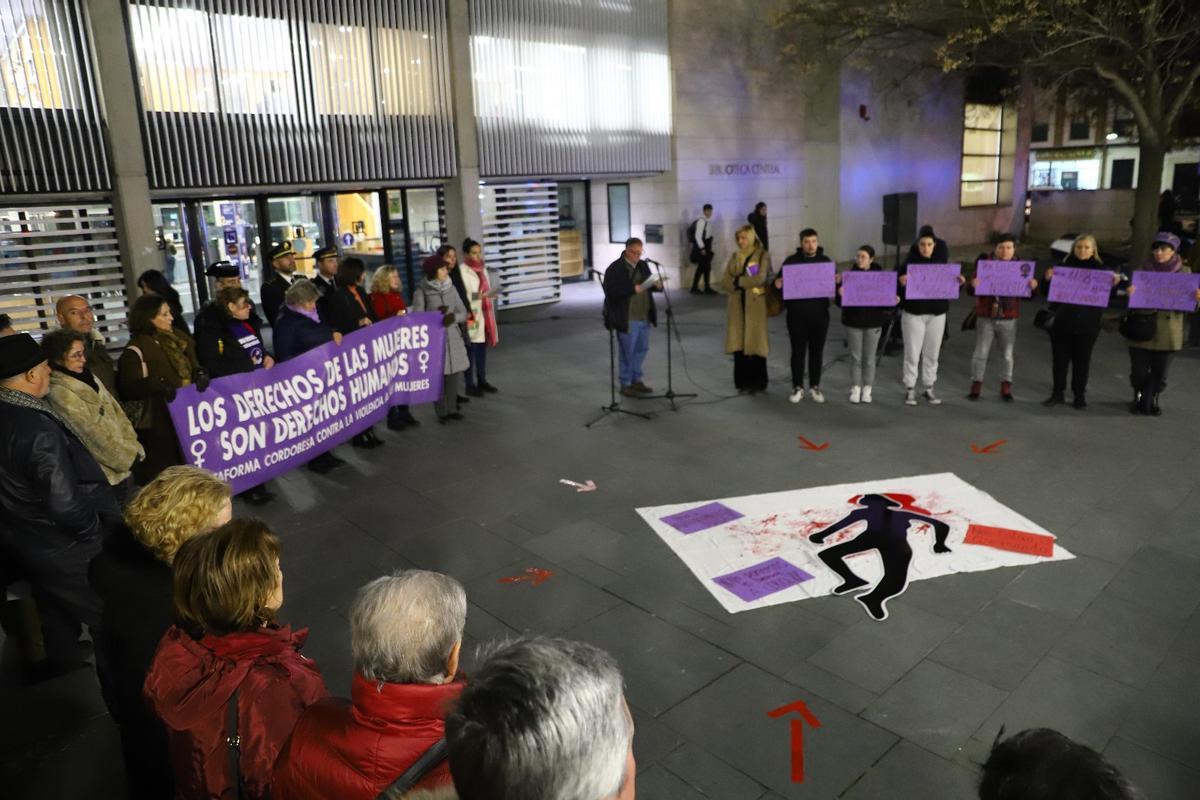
pixel 887 532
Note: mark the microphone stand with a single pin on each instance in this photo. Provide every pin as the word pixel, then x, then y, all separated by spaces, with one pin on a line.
pixel 670 394
pixel 614 406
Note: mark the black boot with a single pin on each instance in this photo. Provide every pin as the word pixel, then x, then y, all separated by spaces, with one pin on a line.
pixel 1055 399
pixel 396 420
pixel 1136 406
pixel 1150 404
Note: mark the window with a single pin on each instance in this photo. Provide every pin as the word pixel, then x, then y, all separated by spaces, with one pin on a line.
pixel 1123 123
pixel 988 154
pixel 37 64
pixel 254 55
pixel 1122 173
pixel 618 213
pixel 1041 133
pixel 1080 129
pixel 175 58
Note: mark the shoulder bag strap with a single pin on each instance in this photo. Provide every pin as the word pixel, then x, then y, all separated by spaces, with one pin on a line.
pixel 142 359
pixel 233 744
pixel 435 755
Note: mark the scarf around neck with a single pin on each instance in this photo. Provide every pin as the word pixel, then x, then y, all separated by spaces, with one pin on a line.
pixel 175 349
pixel 23 400
pixel 1174 265
pixel 306 312
pixel 85 377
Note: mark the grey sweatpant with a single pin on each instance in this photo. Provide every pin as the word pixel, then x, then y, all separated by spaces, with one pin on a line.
pixel 863 343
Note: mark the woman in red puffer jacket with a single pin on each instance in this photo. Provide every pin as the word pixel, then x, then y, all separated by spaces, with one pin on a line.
pixel 227 665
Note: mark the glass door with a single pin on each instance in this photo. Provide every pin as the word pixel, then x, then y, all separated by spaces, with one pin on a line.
pixel 360 227
pixel 574 229
pixel 296 219
pixel 170 234
pixel 229 230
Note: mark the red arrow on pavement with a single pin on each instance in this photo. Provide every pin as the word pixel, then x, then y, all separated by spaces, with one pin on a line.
pixel 807 445
pixel 800 708
pixel 534 576
pixel 988 449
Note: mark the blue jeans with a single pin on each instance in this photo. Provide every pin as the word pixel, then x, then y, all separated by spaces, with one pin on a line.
pixel 477 366
pixel 634 346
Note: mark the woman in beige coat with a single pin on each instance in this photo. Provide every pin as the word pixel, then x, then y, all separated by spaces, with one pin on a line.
pixel 90 409
pixel 746 279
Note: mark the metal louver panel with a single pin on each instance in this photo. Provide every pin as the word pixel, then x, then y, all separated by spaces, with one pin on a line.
pixel 269 92
pixel 51 137
pixel 520 240
pixel 571 88
pixel 50 251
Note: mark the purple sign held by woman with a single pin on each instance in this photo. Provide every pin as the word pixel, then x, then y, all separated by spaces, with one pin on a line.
pixel 861 289
pixel 1164 291
pixel 1081 287
pixel 252 427
pixel 932 281
pixel 1004 278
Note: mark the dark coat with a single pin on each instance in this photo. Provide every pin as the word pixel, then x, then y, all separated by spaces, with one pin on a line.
pixel 325 286
pixel 1073 319
pixel 209 317
pixel 342 312
pixel 296 334
pixel 353 750
pixel 190 683
pixel 921 306
pixel 135 588
pixel 457 279
pixel 219 350
pixel 272 296
pixel 100 362
pixel 157 432
pixel 760 228
pixel 54 497
pixel 814 304
pixel 865 316
pixel 618 289
pixel 941 252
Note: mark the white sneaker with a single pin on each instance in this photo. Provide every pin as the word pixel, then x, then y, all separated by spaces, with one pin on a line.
pixel 910 397
pixel 815 393
pixel 855 394
pixel 796 396
pixel 866 394
pixel 933 399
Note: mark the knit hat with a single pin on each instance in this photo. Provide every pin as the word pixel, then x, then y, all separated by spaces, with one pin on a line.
pixel 19 353
pixel 1169 239
pixel 431 266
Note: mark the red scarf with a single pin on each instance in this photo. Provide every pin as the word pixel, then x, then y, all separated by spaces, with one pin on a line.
pixel 490 332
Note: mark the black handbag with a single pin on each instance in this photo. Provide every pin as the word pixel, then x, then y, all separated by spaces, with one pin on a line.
pixel 1139 327
pixel 1044 319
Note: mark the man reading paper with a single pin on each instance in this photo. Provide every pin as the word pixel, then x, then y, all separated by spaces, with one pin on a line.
pixel 629 310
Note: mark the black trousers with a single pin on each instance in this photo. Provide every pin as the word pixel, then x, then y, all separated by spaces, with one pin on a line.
pixel 807 329
pixel 1072 349
pixel 1148 369
pixel 749 372
pixel 703 267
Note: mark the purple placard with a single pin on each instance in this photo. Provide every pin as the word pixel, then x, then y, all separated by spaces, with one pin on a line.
pixel 700 518
pixel 1081 287
pixel 752 269
pixel 760 580
pixel 1164 291
pixel 861 288
pixel 252 427
pixel 932 281
pixel 806 281
pixel 1004 278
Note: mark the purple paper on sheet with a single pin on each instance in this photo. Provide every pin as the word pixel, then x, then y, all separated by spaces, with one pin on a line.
pixel 254 426
pixel 1004 278
pixel 807 281
pixel 701 518
pixel 1081 287
pixel 861 288
pixel 752 269
pixel 760 580
pixel 1164 291
pixel 932 281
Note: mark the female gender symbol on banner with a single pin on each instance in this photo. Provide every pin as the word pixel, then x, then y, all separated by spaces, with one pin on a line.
pixel 423 359
pixel 199 447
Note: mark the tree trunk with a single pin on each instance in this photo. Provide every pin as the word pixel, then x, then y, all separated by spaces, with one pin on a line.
pixel 1145 205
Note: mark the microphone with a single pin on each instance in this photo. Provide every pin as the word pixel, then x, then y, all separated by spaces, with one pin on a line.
pixel 652 261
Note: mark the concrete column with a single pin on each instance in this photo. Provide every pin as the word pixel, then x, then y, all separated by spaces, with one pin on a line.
pixel 464 215
pixel 822 161
pixel 131 188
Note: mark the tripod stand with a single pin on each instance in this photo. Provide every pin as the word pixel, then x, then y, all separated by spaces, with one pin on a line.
pixel 613 407
pixel 670 394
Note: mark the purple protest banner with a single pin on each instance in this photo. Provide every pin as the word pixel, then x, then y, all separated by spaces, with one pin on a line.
pixel 805 281
pixel 861 288
pixel 1081 287
pixel 932 281
pixel 252 427
pixel 699 518
pixel 760 580
pixel 1164 291
pixel 1004 278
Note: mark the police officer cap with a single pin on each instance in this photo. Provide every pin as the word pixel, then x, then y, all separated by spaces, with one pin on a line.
pixel 325 252
pixel 19 353
pixel 281 250
pixel 222 269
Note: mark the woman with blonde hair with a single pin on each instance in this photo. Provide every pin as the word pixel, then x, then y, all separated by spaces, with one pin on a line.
pixel 227 672
pixel 387 301
pixel 132 575
pixel 746 278
pixel 1075 329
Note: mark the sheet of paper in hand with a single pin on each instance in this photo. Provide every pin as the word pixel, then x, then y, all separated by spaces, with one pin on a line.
pixel 1004 278
pixel 932 281
pixel 808 281
pixel 1081 287
pixel 1164 291
pixel 861 288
